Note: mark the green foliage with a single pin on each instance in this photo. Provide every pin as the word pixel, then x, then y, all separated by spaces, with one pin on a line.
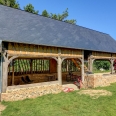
pixel 45 13
pixel 10 3
pixel 62 17
pixel 30 8
pixel 71 21
pixel 64 104
pixel 101 64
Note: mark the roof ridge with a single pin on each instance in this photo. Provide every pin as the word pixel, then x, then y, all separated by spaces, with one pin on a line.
pixel 54 19
pixel 93 30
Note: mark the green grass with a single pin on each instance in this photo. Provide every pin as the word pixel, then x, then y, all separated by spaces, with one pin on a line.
pixel 64 104
pixel 98 71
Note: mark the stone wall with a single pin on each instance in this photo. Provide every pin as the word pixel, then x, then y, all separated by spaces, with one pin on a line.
pixel 99 80
pixel 15 94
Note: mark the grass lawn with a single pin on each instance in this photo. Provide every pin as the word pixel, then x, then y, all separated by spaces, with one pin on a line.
pixel 64 104
pixel 98 71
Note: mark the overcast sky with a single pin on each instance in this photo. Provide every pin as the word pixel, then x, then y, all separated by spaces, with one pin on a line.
pixel 98 15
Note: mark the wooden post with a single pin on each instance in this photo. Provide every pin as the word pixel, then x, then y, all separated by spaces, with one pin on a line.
pixel 82 67
pixel 88 64
pixel 0 74
pixel 4 76
pixel 59 62
pixel 36 65
pixel 91 64
pixel 5 63
pixel 67 65
pixel 112 68
pixel 12 72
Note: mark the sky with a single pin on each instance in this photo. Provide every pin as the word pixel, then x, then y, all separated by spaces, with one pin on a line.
pixel 99 15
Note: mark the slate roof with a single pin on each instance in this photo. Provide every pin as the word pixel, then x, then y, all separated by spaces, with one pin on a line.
pixel 23 27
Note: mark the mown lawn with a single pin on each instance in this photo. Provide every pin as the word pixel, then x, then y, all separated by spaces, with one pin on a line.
pixel 64 104
pixel 98 71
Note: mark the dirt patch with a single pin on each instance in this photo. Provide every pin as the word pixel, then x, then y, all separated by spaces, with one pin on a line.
pixel 94 94
pixel 2 107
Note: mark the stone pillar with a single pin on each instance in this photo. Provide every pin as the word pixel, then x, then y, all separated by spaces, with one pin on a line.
pixel 112 68
pixel 59 70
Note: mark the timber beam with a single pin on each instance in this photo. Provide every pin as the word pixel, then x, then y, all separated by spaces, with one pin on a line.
pixel 6 62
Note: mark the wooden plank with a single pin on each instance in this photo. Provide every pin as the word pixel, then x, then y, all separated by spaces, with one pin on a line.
pixel 34 50
pixel 10 48
pixel 101 55
pixel 53 66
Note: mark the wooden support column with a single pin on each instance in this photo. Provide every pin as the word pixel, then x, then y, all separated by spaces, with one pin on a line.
pixel 59 68
pixel 67 65
pixel 91 64
pixel 0 74
pixel 5 63
pixel 112 68
pixel 82 67
pixel 82 70
pixel 88 64
pixel 12 72
pixel 4 75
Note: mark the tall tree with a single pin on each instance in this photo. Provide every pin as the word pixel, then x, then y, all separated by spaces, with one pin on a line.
pixel 45 13
pixel 30 8
pixel 60 17
pixel 10 3
pixel 101 64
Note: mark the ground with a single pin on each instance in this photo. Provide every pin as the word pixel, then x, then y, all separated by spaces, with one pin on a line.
pixel 94 94
pixel 2 107
pixel 90 102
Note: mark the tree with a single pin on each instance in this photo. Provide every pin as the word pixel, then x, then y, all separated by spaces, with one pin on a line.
pixel 60 17
pixel 101 64
pixel 45 13
pixel 30 8
pixel 73 21
pixel 10 3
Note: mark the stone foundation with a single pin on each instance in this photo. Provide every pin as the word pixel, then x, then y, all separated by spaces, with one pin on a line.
pixel 99 80
pixel 30 92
